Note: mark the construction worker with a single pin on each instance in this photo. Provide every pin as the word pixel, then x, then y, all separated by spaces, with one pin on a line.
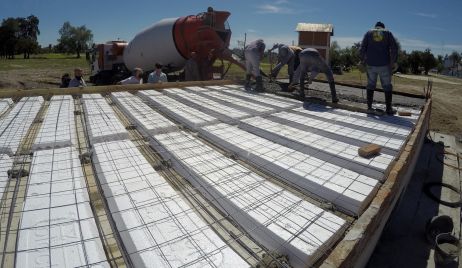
pixel 77 81
pixel 191 68
pixel 136 78
pixel 379 52
pixel 311 61
pixel 157 76
pixel 253 55
pixel 206 66
pixel 285 56
pixel 296 51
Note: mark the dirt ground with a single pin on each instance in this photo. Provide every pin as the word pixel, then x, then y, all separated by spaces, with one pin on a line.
pixel 44 72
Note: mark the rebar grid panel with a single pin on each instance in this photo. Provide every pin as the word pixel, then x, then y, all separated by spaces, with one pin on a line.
pixel 102 124
pixel 157 227
pixel 115 252
pixel 15 189
pixel 273 216
pixel 266 95
pixel 339 132
pixel 369 123
pixel 6 163
pixel 267 129
pixel 255 98
pixel 5 104
pixel 141 114
pixel 14 127
pixel 235 102
pixel 234 235
pixel 396 120
pixel 183 113
pixel 222 111
pixel 58 127
pixel 349 191
pixel 57 227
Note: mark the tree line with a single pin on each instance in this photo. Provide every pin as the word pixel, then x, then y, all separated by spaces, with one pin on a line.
pixel 414 62
pixel 19 36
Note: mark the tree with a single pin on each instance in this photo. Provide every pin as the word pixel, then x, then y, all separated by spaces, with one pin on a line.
pixel 428 60
pixel 415 61
pixel 28 31
pixel 19 35
pixel 334 54
pixel 440 63
pixel 74 39
pixel 9 37
pixel 403 62
pixel 455 58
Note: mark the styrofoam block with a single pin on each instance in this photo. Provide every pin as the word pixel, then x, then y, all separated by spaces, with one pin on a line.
pixel 58 126
pixel 6 163
pixel 235 100
pixel 392 143
pixel 5 104
pixel 243 195
pixel 14 127
pixel 217 107
pixel 262 99
pixel 179 111
pixel 150 217
pixel 59 219
pixel 102 122
pixel 319 142
pixel 143 115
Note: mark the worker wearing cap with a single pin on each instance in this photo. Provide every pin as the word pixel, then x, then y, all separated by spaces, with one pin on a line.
pixel 311 61
pixel 285 56
pixel 379 52
pixel 253 55
pixel 77 81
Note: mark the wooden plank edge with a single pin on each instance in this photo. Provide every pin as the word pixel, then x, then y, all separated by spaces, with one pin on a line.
pixel 14 93
pixel 359 242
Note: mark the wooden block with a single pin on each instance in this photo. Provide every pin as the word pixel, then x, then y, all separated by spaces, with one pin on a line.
pixel 369 150
pixel 404 113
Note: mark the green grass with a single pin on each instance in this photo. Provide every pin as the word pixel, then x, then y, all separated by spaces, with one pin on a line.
pixel 58 62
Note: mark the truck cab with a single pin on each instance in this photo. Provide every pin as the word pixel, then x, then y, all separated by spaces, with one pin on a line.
pixel 106 63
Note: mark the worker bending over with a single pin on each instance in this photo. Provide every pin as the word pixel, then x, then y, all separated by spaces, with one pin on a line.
pixel 285 56
pixel 253 55
pixel 379 52
pixel 311 61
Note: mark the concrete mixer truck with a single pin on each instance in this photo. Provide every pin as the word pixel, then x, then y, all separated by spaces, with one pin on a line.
pixel 168 42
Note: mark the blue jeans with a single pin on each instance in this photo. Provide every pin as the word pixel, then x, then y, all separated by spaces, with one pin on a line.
pixel 384 72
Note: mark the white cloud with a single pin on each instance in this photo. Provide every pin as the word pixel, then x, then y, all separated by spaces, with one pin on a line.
pixel 426 15
pixel 280 2
pixel 251 31
pixel 274 9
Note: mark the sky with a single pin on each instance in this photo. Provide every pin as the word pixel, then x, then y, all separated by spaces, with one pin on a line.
pixel 417 24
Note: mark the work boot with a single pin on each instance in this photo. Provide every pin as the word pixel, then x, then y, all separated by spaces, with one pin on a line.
pixel 247 81
pixel 259 86
pixel 370 99
pixel 333 92
pixel 388 99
